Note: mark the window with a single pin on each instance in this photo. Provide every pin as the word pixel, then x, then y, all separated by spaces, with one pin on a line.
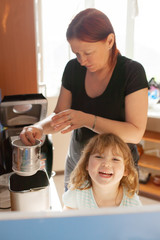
pixel 53 51
pixel 118 17
pixel 137 37
pixel 147 37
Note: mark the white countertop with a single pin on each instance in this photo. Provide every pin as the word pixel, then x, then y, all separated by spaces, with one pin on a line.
pixel 154 111
pixel 54 198
pixel 4 193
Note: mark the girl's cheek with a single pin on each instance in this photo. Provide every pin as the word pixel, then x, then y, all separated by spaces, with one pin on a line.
pixel 93 164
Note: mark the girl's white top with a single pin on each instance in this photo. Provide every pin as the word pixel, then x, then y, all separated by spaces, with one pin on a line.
pixel 82 199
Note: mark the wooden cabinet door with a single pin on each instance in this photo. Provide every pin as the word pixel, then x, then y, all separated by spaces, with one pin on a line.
pixel 18 68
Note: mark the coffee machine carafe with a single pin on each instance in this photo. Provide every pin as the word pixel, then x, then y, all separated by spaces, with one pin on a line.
pixel 17 111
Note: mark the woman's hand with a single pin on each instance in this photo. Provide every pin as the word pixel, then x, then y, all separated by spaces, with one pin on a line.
pixel 63 122
pixel 30 134
pixel 68 120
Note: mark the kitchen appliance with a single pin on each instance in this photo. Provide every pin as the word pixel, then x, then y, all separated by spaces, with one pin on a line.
pixel 30 193
pixel 17 111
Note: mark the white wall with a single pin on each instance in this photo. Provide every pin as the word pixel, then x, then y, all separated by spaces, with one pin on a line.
pixel 60 141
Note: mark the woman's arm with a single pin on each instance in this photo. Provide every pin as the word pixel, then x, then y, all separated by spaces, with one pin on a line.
pixel 131 131
pixel 30 133
pixel 64 100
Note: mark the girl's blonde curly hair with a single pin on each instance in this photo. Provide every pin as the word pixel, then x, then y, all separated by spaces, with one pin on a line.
pixel 80 178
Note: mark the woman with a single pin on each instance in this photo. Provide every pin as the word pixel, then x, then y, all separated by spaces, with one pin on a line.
pixel 101 92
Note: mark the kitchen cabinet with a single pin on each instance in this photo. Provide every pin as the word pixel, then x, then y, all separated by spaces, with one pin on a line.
pixel 18 67
pixel 152 164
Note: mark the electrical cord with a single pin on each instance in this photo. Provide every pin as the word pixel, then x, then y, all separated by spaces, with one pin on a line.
pixel 3 208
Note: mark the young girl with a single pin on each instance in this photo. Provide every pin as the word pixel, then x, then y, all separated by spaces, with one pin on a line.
pixel 105 176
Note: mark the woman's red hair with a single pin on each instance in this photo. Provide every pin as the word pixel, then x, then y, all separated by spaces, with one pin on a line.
pixel 91 25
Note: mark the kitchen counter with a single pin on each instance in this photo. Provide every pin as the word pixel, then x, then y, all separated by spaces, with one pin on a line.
pixel 54 198
pixel 154 111
pixel 5 204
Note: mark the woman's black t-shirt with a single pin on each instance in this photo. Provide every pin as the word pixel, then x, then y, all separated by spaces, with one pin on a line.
pixel 127 77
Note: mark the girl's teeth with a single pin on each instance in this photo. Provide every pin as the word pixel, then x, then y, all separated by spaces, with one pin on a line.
pixel 105 173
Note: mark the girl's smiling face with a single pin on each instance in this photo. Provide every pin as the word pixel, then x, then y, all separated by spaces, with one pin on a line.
pixel 106 168
pixel 93 55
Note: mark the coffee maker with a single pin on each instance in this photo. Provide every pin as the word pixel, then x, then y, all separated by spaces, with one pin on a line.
pixel 17 111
